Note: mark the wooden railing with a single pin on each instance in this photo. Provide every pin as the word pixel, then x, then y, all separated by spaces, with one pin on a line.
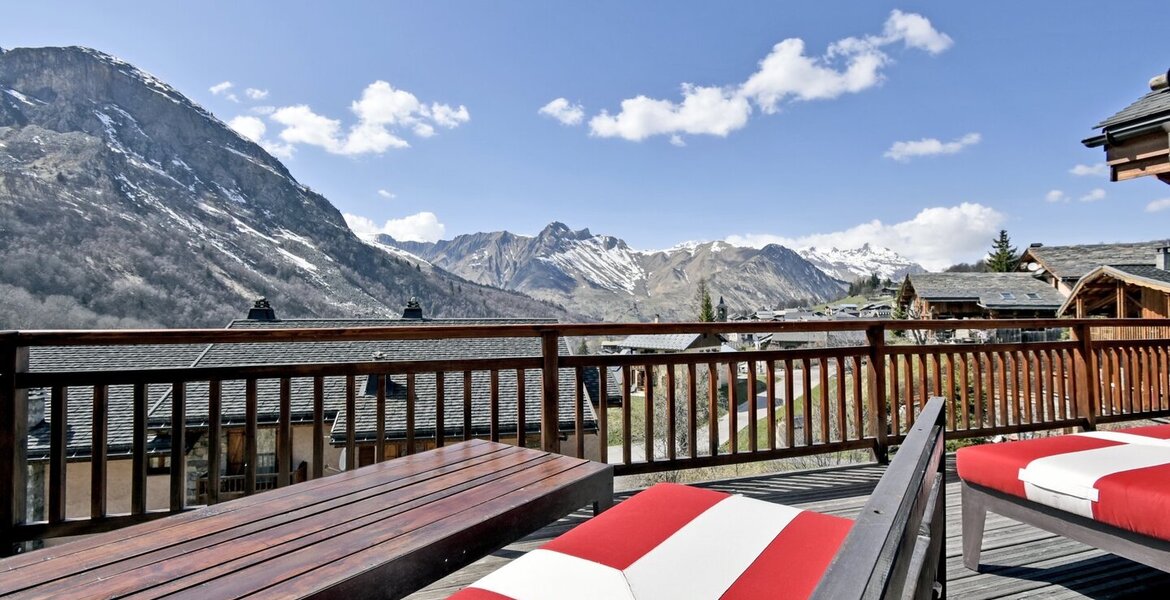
pixel 686 413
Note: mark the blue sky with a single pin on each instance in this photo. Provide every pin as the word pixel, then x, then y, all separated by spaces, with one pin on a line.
pixel 757 122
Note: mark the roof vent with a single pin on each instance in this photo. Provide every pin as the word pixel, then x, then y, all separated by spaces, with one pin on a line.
pixel 1162 258
pixel 413 309
pixel 261 311
pixel 1160 82
pixel 1036 245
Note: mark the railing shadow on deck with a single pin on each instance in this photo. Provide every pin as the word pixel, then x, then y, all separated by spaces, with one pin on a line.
pixel 862 395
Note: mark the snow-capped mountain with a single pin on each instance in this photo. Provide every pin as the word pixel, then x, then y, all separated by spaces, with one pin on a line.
pixel 601 277
pixel 852 264
pixel 124 203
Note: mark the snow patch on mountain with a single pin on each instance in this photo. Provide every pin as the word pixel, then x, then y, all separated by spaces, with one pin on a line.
pixel 855 263
pixel 603 261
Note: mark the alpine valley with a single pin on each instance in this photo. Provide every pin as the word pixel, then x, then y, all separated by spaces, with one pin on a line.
pixel 123 203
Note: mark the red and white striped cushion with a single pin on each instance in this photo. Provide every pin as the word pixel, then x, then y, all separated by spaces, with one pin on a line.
pixel 1116 477
pixel 673 541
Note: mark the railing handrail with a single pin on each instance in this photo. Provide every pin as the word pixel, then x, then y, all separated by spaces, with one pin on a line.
pixel 116 337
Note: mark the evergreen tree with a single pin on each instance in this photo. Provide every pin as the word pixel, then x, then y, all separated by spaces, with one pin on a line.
pixel 1003 257
pixel 703 298
pixel 583 347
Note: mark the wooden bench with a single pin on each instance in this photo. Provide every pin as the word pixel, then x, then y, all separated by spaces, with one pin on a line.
pixel 379 531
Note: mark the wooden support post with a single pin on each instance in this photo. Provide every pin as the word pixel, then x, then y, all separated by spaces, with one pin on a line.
pixel 876 335
pixel 13 440
pixel 550 440
pixel 1087 376
pixel 178 479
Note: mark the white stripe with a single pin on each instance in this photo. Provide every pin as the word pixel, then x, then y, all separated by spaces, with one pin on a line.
pixel 1072 504
pixel 707 555
pixel 1127 438
pixel 550 575
pixel 1076 473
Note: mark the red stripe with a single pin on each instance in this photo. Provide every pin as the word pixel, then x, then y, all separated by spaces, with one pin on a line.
pixel 1161 432
pixel 626 532
pixel 474 593
pixel 997 466
pixel 792 565
pixel 1137 500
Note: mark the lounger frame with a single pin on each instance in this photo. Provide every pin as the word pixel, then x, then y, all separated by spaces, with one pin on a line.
pixel 977 500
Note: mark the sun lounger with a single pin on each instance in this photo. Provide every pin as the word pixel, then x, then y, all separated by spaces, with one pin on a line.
pixel 1108 489
pixel 674 541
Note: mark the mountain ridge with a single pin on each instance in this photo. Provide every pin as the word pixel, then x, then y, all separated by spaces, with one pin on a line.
pixel 127 202
pixel 601 277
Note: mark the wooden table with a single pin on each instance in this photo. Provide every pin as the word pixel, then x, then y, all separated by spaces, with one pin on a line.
pixel 379 531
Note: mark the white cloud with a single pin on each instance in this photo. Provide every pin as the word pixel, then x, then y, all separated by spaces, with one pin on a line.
pixel 303 126
pixel 1158 205
pixel 564 111
pixel 704 110
pixel 1094 195
pixel 449 117
pixel 220 87
pixel 787 73
pixel 253 128
pixel 904 151
pixel 935 238
pixel 423 130
pixel 263 110
pixel 420 227
pixel 916 31
pixel 278 149
pixel 676 140
pixel 382 111
pixel 1056 196
pixel 255 94
pixel 387 194
pixel 1099 169
pixel 250 127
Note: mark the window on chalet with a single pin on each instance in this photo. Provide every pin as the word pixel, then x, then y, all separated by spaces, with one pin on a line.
pixel 1033 296
pixel 158 464
pixel 1007 296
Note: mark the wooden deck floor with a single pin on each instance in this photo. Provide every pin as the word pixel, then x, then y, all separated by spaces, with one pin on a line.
pixel 1019 561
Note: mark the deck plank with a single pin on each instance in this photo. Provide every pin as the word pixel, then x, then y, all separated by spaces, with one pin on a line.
pixel 1019 561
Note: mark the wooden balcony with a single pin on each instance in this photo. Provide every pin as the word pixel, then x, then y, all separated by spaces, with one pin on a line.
pixel 796 403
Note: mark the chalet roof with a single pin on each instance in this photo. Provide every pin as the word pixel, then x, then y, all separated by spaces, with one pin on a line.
pixel 990 290
pixel 268 391
pixel 662 341
pixel 1142 275
pixel 1150 106
pixel 232 392
pixel 120 398
pixel 1073 262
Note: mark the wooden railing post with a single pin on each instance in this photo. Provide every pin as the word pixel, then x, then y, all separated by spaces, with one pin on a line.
pixel 876 335
pixel 13 440
pixel 550 440
pixel 1087 374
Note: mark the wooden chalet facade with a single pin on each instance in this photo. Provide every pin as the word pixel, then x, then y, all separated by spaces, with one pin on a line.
pixel 1136 140
pixel 1123 291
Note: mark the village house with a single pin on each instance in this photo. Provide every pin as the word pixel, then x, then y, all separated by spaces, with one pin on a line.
pixel 1134 139
pixel 1063 266
pixel 978 295
pixel 232 443
pixel 1123 290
